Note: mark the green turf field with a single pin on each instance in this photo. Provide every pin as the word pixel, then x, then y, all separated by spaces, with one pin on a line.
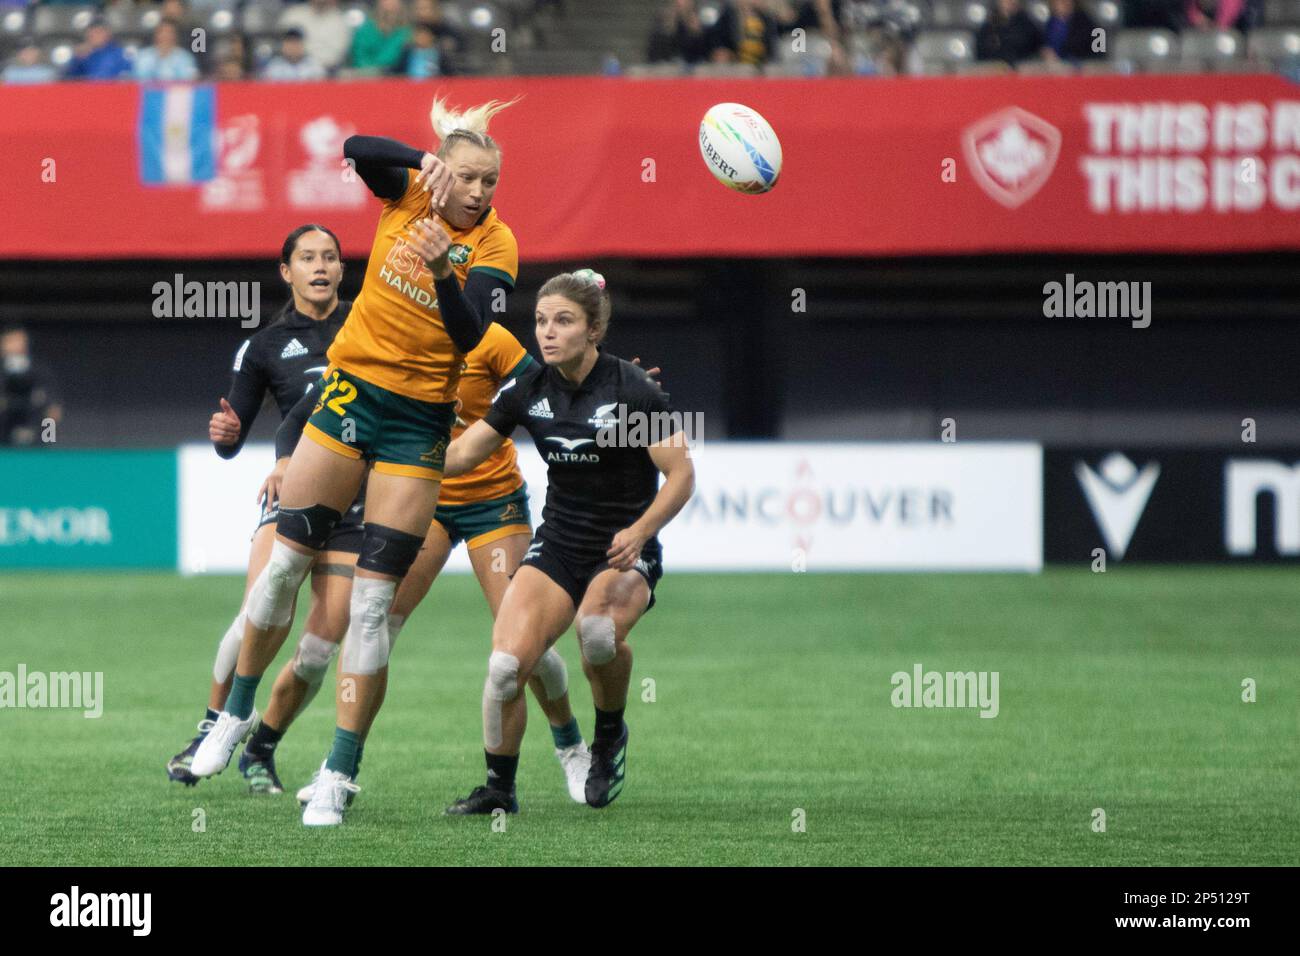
pixel 1119 691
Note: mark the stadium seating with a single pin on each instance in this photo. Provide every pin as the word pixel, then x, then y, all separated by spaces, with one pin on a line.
pixel 1210 50
pixel 1275 47
pixel 958 14
pixel 260 17
pixel 61 21
pixel 942 51
pixel 1282 13
pixel 1145 50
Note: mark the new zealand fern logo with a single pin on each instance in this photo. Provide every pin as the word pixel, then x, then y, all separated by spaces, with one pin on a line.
pixel 458 254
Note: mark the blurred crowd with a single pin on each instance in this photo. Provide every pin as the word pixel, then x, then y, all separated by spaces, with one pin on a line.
pixel 159 40
pixel 312 40
pixel 878 37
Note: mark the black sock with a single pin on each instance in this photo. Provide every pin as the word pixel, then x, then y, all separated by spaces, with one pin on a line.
pixel 264 740
pixel 501 771
pixel 211 714
pixel 609 724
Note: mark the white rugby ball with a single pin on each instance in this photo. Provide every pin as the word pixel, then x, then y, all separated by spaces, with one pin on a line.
pixel 740 148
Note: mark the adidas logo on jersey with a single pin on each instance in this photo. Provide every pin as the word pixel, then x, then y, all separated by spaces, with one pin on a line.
pixel 541 409
pixel 293 349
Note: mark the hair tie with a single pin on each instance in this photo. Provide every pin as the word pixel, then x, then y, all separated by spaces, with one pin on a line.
pixel 592 276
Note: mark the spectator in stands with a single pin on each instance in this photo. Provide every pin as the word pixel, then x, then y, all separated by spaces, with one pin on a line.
pixel 379 43
pixel 231 70
pixel 166 60
pixel 678 35
pixel 744 33
pixel 1067 34
pixel 98 57
pixel 422 58
pixel 1009 34
pixel 885 54
pixel 27 65
pixel 824 16
pixel 178 12
pixel 293 61
pixel 429 12
pixel 325 31
pixel 1216 14
pixel 27 395
pixel 234 48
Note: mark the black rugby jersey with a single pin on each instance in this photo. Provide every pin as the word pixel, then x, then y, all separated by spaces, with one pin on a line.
pixel 284 358
pixel 593 491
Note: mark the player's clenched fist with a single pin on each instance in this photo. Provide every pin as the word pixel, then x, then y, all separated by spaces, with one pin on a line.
pixel 433 244
pixel 223 428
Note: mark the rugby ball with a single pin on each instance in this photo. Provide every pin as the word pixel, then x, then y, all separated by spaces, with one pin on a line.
pixel 740 148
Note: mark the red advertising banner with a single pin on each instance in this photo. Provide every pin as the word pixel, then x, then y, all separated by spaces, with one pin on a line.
pixel 598 166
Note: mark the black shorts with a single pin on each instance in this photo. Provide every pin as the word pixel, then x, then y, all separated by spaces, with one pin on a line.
pixel 573 572
pixel 346 535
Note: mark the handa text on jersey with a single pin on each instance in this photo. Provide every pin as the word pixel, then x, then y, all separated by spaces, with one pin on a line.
pixel 407 288
pixel 208 300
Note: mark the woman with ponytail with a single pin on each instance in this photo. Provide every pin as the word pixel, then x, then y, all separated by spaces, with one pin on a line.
pixel 606 433
pixel 441 263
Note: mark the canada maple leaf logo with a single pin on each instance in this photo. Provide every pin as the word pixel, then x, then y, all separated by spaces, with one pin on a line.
pixel 1011 154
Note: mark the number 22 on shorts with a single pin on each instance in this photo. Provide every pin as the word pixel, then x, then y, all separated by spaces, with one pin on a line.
pixel 346 393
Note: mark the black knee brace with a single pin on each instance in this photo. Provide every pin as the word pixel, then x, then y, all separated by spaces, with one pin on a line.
pixel 387 550
pixel 307 526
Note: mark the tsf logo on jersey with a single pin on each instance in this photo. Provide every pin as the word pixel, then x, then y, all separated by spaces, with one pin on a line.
pixel 1011 154
pixel 458 254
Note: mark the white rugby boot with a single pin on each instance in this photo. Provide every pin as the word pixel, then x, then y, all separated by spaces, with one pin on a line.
pixel 576 761
pixel 329 799
pixel 228 731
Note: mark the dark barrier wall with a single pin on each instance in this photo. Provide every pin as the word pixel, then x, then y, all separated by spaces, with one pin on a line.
pixel 883 349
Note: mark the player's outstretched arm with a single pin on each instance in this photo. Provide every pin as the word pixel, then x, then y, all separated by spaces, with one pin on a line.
pixel 471 449
pixel 382 164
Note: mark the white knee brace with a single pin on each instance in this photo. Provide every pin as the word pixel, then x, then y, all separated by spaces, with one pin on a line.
pixel 368 644
pixel 553 673
pixel 313 658
pixel 502 685
pixel 596 638
pixel 223 668
pixel 271 599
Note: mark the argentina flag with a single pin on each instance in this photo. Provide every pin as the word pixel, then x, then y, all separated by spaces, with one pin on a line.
pixel 178 134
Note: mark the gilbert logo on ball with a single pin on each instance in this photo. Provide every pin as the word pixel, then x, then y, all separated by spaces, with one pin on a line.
pixel 740 148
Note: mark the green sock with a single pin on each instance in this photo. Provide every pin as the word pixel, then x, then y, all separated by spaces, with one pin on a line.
pixel 343 755
pixel 568 735
pixel 361 750
pixel 242 694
